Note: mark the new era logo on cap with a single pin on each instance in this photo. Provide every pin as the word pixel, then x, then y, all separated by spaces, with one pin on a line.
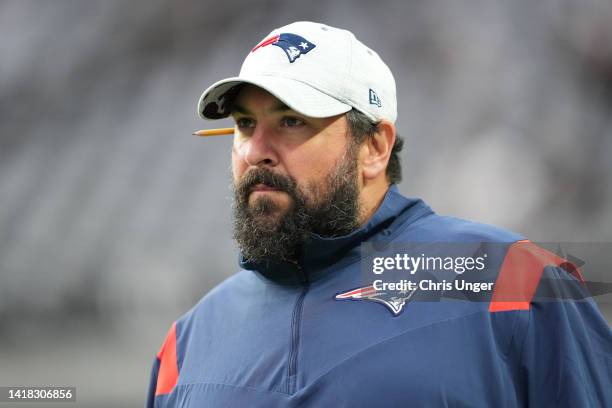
pixel 374 99
pixel 293 45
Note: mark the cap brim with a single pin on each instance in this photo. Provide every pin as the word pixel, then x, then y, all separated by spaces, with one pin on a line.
pixel 215 102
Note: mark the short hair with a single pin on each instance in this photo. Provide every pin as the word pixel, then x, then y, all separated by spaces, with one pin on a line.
pixel 362 128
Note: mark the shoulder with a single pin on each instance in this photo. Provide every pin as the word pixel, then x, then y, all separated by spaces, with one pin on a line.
pixel 221 297
pixel 441 228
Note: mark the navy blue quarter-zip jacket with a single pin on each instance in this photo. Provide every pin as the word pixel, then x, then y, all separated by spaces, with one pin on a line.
pixel 319 334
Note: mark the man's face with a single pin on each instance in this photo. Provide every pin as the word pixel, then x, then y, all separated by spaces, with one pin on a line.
pixel 293 176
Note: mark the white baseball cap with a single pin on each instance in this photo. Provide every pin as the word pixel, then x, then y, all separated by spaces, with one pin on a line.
pixel 316 70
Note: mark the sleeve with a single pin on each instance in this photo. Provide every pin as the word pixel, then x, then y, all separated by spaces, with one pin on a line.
pixel 150 403
pixel 164 373
pixel 566 357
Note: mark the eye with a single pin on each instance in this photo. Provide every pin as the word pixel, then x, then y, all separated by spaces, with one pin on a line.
pixel 244 123
pixel 291 121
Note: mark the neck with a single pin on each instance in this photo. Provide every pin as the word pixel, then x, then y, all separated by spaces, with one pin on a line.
pixel 370 198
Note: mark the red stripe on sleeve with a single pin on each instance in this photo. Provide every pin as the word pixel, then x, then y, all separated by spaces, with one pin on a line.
pixel 520 275
pixel 168 368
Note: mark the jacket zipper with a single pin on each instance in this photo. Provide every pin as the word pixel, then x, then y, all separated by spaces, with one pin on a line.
pixel 296 320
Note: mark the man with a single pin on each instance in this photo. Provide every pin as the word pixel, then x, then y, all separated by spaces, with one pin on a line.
pixel 317 216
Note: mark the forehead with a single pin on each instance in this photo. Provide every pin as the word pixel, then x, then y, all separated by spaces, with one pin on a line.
pixel 250 97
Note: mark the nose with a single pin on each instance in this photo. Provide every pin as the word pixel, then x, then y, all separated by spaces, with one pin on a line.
pixel 258 149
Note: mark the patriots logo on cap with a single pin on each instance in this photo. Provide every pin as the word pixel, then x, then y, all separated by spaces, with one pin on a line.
pixel 395 302
pixel 293 45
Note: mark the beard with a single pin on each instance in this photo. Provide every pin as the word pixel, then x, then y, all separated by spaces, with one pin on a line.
pixel 263 230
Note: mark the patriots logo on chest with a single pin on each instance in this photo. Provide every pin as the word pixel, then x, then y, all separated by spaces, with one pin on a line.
pixel 395 301
pixel 292 44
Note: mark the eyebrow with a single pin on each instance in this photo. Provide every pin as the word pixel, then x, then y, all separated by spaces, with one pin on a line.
pixel 278 107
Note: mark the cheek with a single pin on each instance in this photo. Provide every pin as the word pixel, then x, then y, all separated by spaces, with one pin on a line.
pixel 238 166
pixel 320 162
pixel 311 171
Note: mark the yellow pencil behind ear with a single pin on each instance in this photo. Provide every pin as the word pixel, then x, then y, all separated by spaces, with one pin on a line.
pixel 214 132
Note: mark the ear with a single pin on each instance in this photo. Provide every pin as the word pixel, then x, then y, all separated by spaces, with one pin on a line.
pixel 376 150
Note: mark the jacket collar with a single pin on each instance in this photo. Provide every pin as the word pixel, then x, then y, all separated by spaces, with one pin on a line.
pixel 320 252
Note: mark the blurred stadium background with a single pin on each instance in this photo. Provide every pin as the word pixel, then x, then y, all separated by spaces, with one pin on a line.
pixel 114 220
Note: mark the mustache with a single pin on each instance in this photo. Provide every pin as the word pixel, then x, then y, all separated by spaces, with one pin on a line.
pixel 268 178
